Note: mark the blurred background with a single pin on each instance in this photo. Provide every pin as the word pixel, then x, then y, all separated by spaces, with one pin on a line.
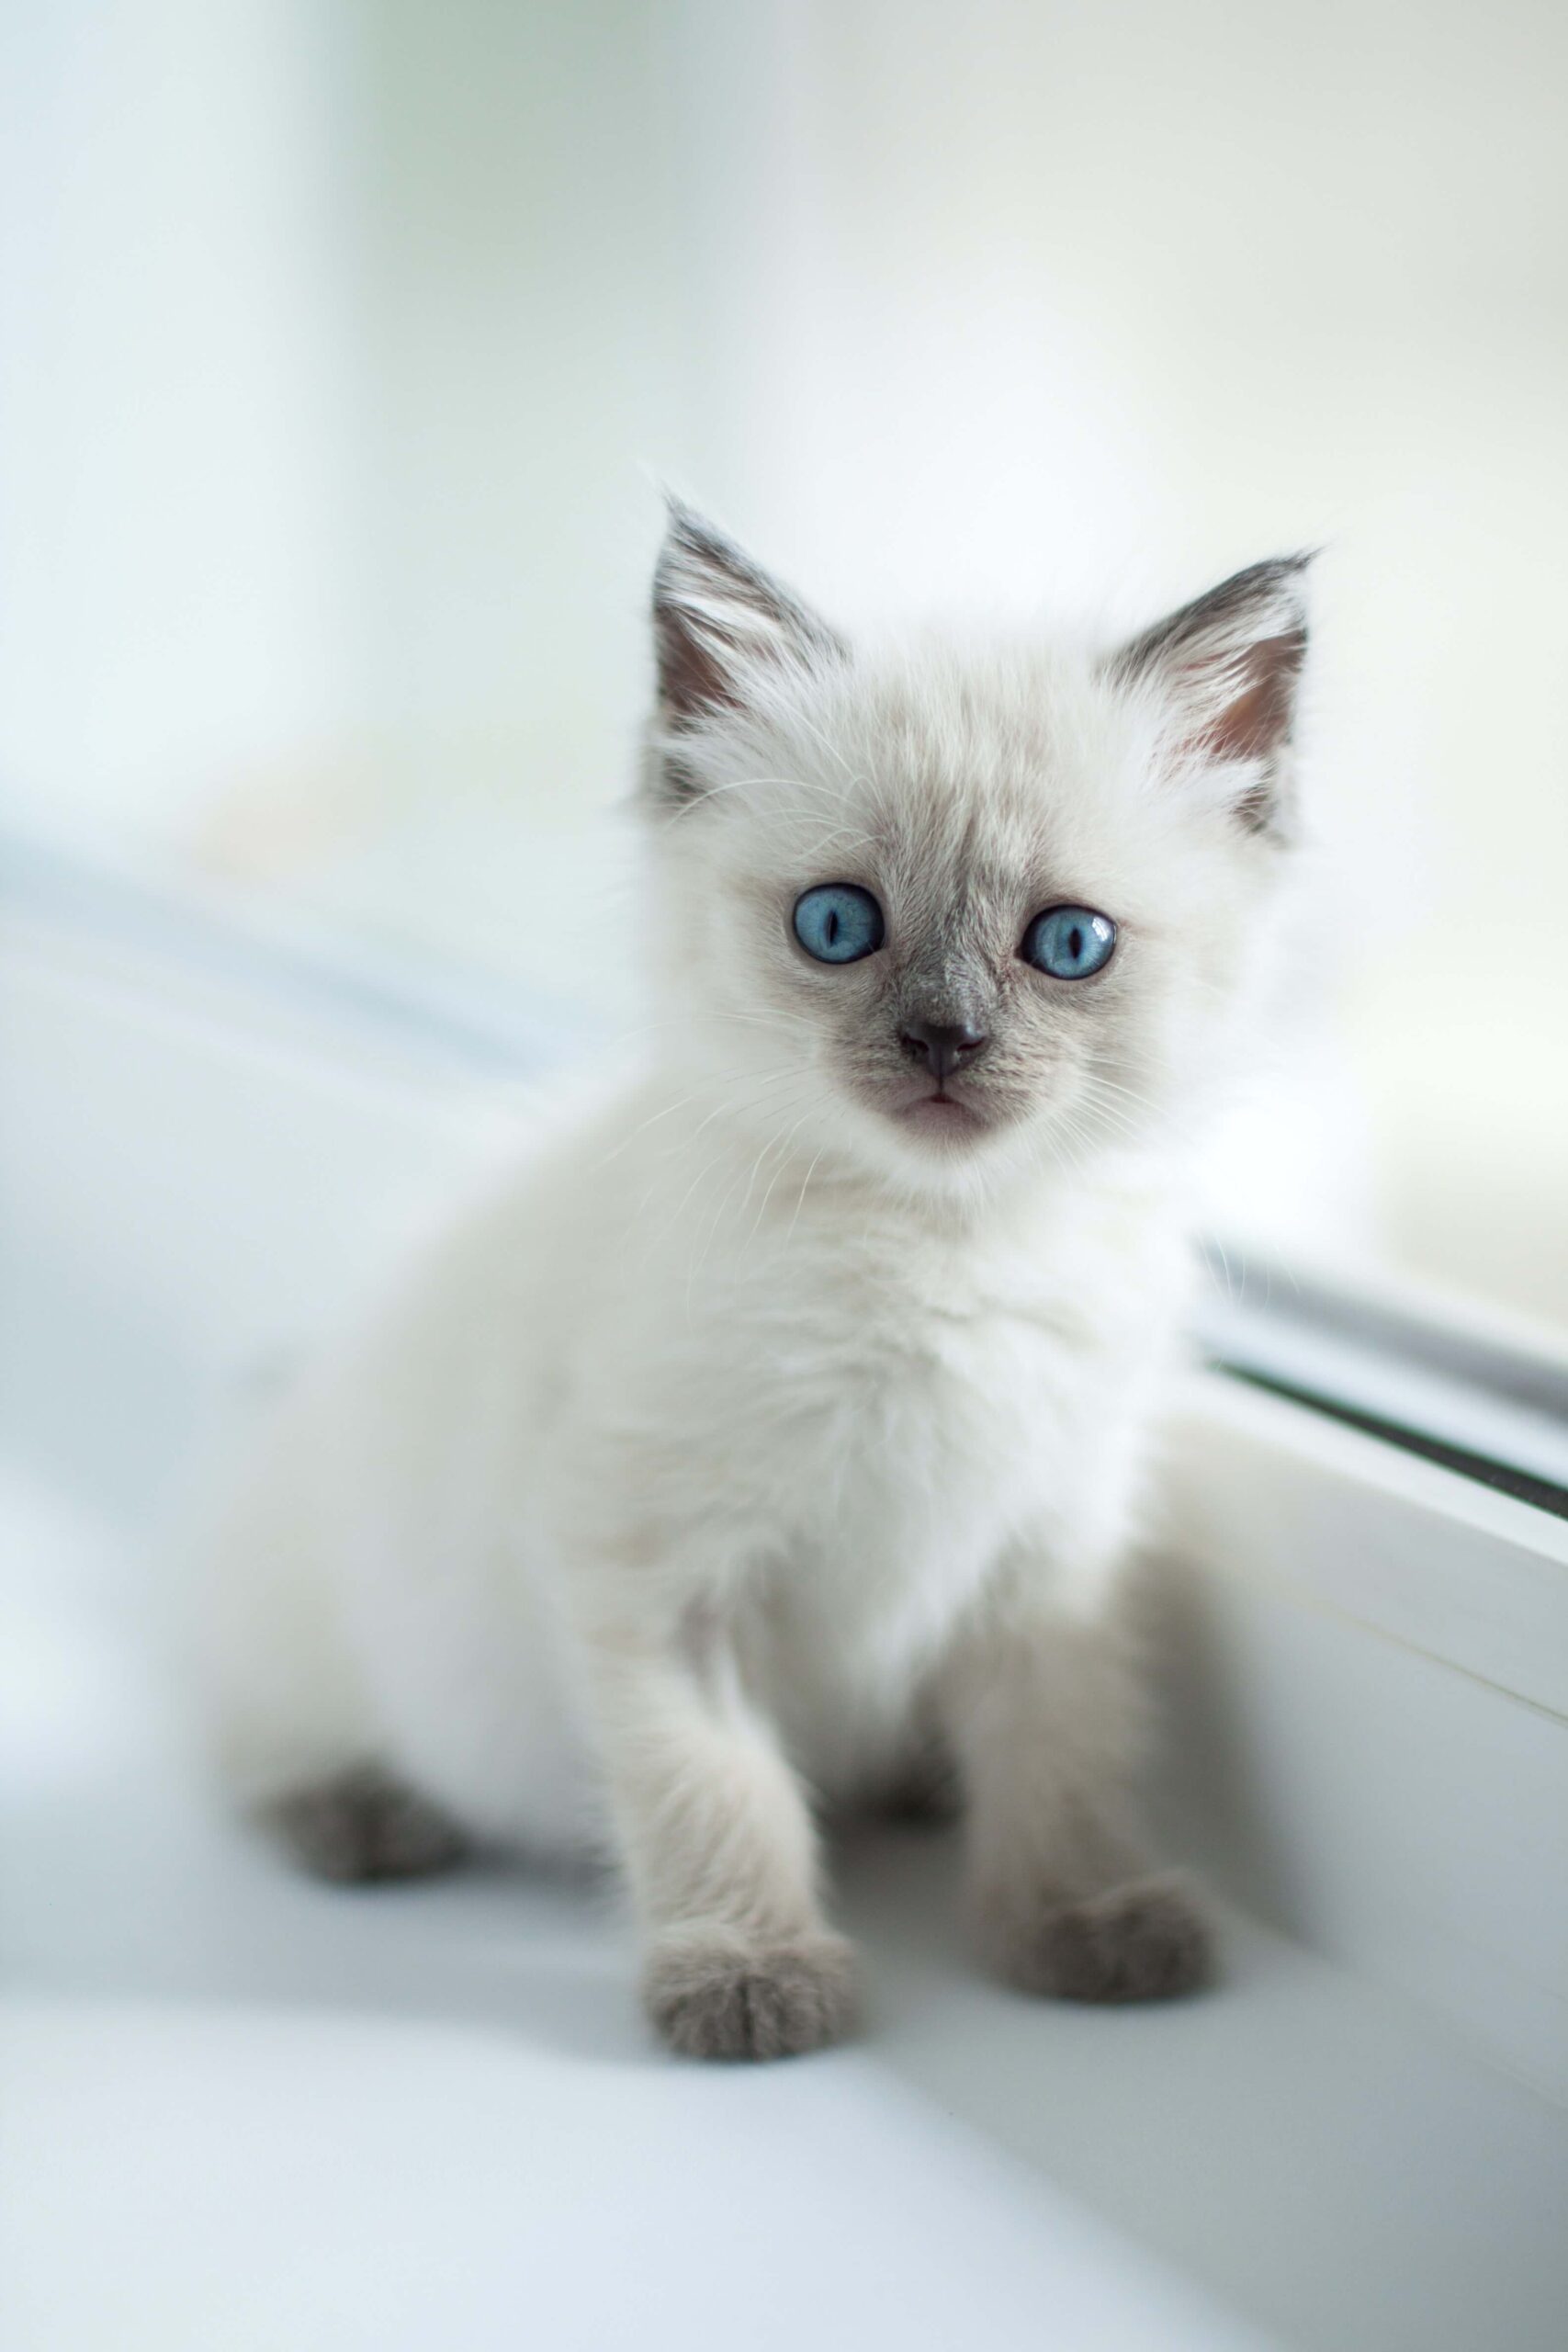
pixel 343 344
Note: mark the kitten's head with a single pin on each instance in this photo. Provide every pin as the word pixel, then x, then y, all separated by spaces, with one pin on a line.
pixel 947 914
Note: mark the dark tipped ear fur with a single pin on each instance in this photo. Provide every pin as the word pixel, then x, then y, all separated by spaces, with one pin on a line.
pixel 718 618
pixel 1229 663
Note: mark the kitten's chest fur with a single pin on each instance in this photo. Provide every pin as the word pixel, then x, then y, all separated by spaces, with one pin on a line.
pixel 911 1407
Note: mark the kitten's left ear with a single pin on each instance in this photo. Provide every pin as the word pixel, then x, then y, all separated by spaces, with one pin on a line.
pixel 718 619
pixel 1228 666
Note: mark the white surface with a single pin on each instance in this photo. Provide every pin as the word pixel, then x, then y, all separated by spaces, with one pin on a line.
pixel 341 2182
pixel 245 2111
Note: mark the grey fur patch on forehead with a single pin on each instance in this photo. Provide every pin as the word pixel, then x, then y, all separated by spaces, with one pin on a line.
pixel 940 757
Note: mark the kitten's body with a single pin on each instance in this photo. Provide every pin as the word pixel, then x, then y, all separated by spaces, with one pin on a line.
pixel 759 1442
pixel 810 1382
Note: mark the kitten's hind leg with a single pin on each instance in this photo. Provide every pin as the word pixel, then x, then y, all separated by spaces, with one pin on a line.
pixel 1045 1713
pixel 292 1726
pixel 364 1824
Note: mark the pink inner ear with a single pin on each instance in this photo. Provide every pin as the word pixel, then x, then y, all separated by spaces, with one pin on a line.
pixel 1256 720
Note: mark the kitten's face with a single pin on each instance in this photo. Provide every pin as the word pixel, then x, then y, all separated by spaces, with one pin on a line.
pixel 948 916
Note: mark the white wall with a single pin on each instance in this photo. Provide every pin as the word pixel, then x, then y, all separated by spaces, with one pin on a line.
pixel 178 573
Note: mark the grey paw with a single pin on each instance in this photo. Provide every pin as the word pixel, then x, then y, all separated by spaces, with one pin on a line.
pixel 713 1993
pixel 363 1824
pixel 1146 1941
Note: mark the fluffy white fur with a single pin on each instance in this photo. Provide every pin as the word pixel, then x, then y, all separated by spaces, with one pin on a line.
pixel 777 1439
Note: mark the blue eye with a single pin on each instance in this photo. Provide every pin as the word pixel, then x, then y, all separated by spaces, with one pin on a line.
pixel 1069 942
pixel 838 923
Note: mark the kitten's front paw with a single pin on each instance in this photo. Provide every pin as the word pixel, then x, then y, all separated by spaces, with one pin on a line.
pixel 713 1993
pixel 1145 1940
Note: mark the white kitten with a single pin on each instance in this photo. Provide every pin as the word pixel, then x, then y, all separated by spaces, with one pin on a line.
pixel 777 1440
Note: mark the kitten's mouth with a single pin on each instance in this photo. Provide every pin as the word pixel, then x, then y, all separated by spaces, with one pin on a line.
pixel 941 1115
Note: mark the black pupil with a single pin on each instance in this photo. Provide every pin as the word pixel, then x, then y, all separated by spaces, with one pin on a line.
pixel 832 927
pixel 1075 941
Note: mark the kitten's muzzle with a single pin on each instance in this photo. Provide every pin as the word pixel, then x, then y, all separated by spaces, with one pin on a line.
pixel 943 1045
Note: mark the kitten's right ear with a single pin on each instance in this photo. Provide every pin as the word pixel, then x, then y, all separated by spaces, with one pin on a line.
pixel 718 620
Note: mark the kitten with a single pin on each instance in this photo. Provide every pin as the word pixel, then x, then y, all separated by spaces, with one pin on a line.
pixel 781 1432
